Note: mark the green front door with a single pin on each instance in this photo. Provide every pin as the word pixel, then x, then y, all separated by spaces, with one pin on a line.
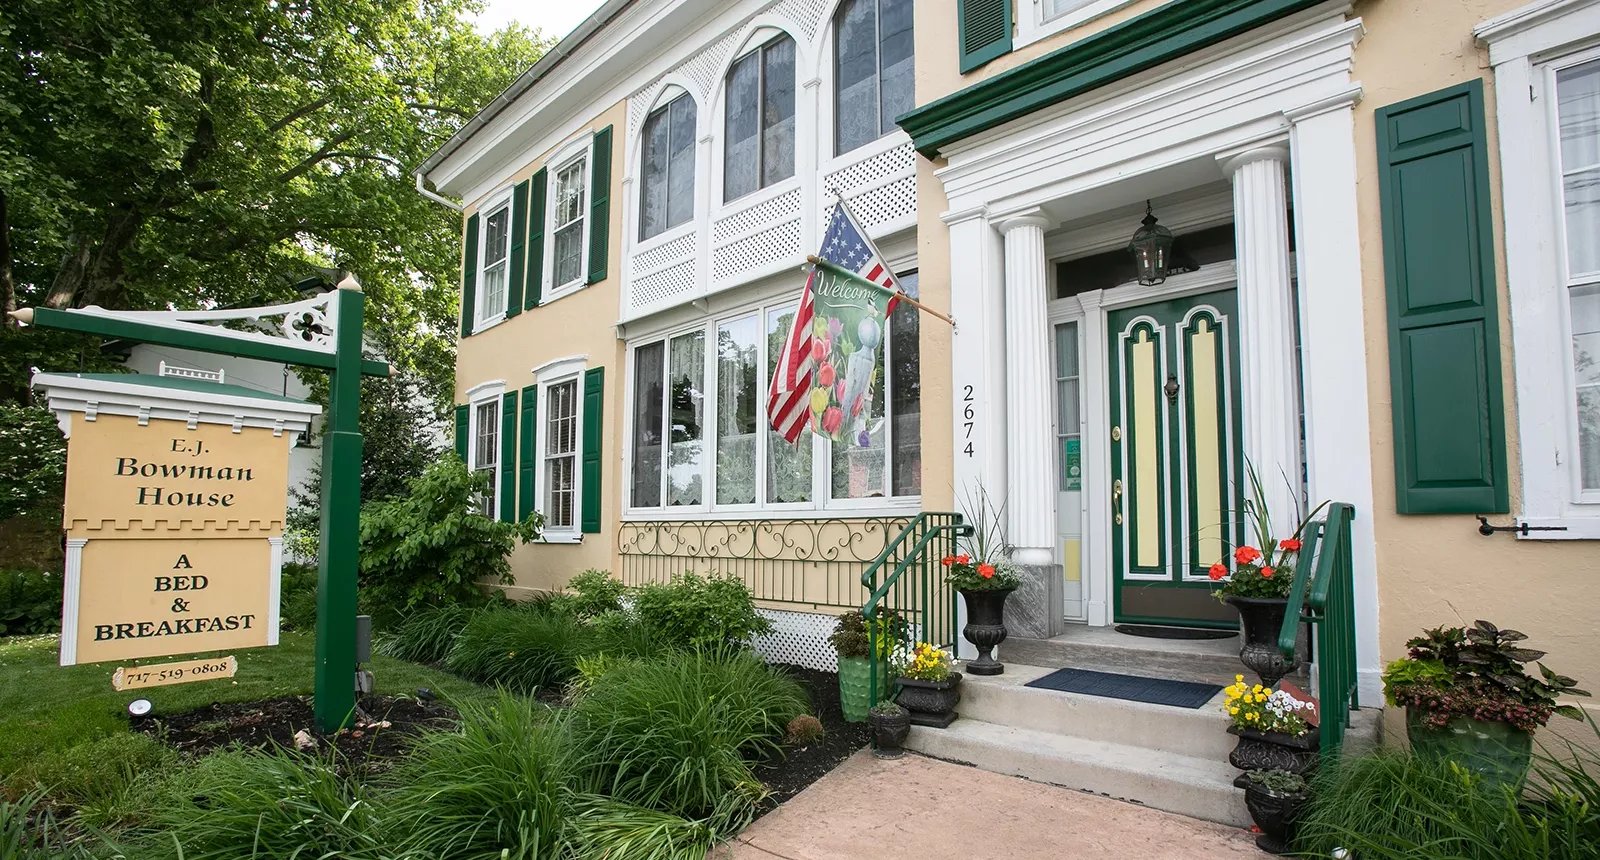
pixel 1176 461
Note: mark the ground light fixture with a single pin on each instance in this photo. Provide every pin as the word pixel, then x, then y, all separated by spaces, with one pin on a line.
pixel 139 707
pixel 1151 248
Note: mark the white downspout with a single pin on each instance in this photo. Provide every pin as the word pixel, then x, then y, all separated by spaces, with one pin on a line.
pixel 437 198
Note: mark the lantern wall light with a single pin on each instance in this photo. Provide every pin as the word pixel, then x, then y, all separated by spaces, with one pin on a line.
pixel 1151 248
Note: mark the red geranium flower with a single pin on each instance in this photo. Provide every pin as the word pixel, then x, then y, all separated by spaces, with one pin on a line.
pixel 948 560
pixel 1266 573
pixel 1218 571
pixel 986 571
pixel 1292 545
pixel 963 559
pixel 1246 554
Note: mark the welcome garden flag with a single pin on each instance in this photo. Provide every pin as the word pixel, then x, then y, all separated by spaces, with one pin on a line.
pixel 825 376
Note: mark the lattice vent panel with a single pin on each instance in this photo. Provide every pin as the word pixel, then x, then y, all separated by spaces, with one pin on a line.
pixel 870 171
pixel 882 205
pixel 663 286
pixel 661 255
pixel 799 639
pixel 639 105
pixel 806 14
pixel 881 189
pixel 704 68
pixel 779 242
pixel 765 212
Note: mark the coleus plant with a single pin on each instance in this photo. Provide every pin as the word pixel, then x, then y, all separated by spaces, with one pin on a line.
pixel 1478 672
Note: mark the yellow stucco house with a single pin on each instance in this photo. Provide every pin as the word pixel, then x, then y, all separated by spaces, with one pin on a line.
pixel 1384 290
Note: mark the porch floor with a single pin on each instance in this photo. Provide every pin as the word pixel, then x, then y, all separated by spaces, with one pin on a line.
pixel 1214 661
pixel 917 808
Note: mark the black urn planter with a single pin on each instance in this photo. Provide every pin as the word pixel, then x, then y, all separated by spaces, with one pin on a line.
pixel 1262 619
pixel 1273 751
pixel 985 627
pixel 930 703
pixel 889 733
pixel 1276 813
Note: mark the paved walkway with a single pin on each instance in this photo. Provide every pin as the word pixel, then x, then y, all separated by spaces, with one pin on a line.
pixel 918 808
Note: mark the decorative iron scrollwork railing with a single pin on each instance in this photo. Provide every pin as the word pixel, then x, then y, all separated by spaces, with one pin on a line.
pixel 814 563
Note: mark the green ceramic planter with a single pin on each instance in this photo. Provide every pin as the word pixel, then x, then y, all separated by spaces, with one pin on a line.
pixel 855 688
pixel 1499 752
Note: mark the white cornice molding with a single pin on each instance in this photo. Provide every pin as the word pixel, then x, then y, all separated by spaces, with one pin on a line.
pixel 482 390
pixel 1538 27
pixel 559 367
pixel 68 394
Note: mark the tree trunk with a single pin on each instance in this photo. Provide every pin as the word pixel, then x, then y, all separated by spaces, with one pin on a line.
pixel 8 288
pixel 93 273
pixel 69 276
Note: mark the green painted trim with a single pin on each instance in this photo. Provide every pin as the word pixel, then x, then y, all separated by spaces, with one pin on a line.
pixel 973 56
pixel 508 457
pixel 600 205
pixel 124 328
pixel 594 384
pixel 463 427
pixel 1159 36
pixel 469 275
pixel 1448 130
pixel 519 262
pixel 535 269
pixel 527 453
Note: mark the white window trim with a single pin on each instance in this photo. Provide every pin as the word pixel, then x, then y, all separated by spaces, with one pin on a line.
pixel 549 375
pixel 501 199
pixel 1032 27
pixel 669 94
pixel 478 395
pixel 582 148
pixel 820 506
pixel 1526 46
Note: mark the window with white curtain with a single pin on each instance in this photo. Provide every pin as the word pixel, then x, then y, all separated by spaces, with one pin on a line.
pixel 759 123
pixel 568 195
pixel 667 190
pixel 1578 116
pixel 873 70
pixel 491 300
pixel 486 449
pixel 560 470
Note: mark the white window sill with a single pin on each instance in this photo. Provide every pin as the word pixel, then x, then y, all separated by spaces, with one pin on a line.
pixel 1031 29
pixel 484 325
pixel 561 292
pixel 567 537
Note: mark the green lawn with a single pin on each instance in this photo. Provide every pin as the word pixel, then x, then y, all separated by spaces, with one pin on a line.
pixel 44 706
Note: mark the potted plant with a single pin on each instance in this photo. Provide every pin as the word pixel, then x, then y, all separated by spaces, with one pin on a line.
pixel 929 686
pixel 1275 799
pixel 851 639
pixel 1274 730
pixel 1258 587
pixel 985 577
pixel 1469 699
pixel 890 725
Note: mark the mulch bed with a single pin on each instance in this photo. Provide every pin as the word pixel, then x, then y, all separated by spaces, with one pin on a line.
pixel 802 765
pixel 371 745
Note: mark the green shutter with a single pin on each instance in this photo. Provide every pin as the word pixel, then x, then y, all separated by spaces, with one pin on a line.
pixel 519 231
pixel 469 275
pixel 461 432
pixel 527 452
pixel 1444 334
pixel 530 299
pixel 508 457
pixel 600 205
pixel 985 31
pixel 594 384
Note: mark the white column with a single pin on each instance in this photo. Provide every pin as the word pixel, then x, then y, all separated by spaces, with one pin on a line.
pixel 1271 422
pixel 1096 462
pixel 1031 490
pixel 1333 348
pixel 977 362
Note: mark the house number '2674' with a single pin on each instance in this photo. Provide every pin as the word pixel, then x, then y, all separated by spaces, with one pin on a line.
pixel 968 415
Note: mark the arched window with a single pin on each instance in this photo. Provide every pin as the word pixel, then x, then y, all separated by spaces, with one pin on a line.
pixel 668 188
pixel 759 128
pixel 873 70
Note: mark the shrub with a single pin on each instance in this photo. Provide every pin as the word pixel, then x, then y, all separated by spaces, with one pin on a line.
pixel 252 804
pixel 850 636
pixel 594 593
pixel 297 599
pixel 613 830
pixel 33 472
pixel 804 729
pixel 98 771
pixel 1477 672
pixel 499 784
pixel 673 733
pixel 30 602
pixel 29 832
pixel 693 611
pixel 522 650
pixel 433 546
pixel 426 635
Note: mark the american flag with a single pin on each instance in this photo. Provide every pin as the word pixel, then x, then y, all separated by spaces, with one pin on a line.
pixel 845 245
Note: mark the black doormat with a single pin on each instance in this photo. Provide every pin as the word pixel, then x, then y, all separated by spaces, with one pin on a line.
pixel 1151 632
pixel 1156 691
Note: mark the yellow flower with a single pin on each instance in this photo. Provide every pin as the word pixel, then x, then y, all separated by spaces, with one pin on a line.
pixel 1251 715
pixel 1239 678
pixel 1234 711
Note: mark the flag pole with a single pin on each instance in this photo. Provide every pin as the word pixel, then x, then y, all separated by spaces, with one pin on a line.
pixel 848 275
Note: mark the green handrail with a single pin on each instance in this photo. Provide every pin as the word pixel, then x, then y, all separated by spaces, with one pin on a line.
pixel 1323 595
pixel 914 587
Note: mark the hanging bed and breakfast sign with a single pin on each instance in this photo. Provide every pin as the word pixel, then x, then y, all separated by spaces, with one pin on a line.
pixel 177 489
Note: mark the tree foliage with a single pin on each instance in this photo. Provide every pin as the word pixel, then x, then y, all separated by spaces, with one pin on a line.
pixel 202 153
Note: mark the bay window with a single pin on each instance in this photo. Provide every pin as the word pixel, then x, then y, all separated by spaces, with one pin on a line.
pixel 759 127
pixel 873 70
pixel 684 393
pixel 667 192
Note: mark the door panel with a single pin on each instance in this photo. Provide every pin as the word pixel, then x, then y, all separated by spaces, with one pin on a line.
pixel 1176 458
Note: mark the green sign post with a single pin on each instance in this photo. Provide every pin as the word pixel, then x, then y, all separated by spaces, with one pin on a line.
pixel 324 332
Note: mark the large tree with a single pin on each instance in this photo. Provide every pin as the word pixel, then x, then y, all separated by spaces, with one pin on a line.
pixel 206 153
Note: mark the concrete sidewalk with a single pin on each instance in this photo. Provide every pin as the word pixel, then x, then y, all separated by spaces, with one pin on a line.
pixel 918 808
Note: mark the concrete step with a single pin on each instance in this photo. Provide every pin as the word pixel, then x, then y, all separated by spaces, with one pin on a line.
pixel 1187 785
pixel 1103 649
pixel 1005 700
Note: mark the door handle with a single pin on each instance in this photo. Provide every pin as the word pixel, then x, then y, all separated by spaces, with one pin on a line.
pixel 1116 500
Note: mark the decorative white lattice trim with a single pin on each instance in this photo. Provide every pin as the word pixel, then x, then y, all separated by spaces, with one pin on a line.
pixel 666 254
pixel 799 639
pixel 781 207
pixel 768 247
pixel 663 286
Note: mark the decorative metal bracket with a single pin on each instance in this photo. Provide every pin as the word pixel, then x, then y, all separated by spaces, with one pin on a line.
pixel 1487 530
